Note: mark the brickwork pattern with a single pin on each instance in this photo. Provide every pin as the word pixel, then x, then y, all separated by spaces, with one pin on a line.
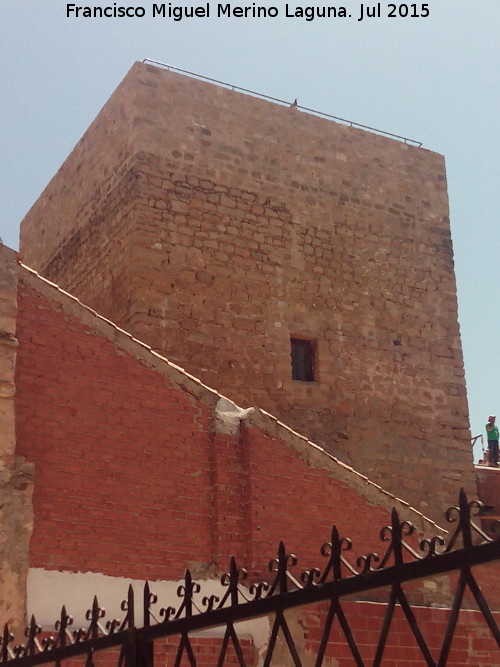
pixel 222 224
pixel 122 460
pixel 205 648
pixel 473 643
pixel 134 480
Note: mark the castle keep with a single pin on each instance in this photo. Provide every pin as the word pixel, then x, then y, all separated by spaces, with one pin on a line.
pixel 290 262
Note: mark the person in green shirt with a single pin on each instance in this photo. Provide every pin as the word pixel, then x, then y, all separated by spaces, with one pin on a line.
pixel 492 433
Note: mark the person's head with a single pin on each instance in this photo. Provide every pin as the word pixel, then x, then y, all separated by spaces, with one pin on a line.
pixel 492 418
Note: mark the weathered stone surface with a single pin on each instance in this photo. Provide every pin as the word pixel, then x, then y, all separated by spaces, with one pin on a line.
pixel 16 477
pixel 16 525
pixel 216 247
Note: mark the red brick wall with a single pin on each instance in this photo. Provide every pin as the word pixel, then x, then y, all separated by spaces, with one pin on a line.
pixel 473 643
pixel 296 503
pixel 206 650
pixel 122 459
pixel 291 500
pixel 132 480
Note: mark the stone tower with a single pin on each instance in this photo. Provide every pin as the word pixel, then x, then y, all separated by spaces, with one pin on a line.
pixel 288 261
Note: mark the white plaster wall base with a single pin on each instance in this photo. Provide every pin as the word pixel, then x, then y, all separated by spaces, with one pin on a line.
pixel 49 590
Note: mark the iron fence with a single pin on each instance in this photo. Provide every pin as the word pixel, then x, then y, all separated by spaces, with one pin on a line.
pixel 339 577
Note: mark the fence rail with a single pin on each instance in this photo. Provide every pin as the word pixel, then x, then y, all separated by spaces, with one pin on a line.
pixel 400 562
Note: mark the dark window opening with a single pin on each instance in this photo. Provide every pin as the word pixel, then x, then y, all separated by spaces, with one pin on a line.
pixel 302 353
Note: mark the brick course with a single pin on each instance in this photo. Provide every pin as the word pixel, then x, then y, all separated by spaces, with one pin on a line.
pixel 472 645
pixel 214 225
pixel 134 477
pixel 120 456
pixel 138 477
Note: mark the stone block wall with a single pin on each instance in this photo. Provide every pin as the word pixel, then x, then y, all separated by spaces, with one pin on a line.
pixel 229 225
pixel 16 476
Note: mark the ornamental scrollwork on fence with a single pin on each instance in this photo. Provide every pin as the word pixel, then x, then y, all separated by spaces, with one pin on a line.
pixel 236 593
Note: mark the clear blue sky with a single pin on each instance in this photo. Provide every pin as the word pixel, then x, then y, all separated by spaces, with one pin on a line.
pixel 435 79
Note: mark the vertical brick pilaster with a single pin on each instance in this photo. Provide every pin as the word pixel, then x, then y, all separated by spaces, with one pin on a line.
pixel 231 529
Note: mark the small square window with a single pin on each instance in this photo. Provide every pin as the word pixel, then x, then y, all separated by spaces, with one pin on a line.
pixel 303 359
